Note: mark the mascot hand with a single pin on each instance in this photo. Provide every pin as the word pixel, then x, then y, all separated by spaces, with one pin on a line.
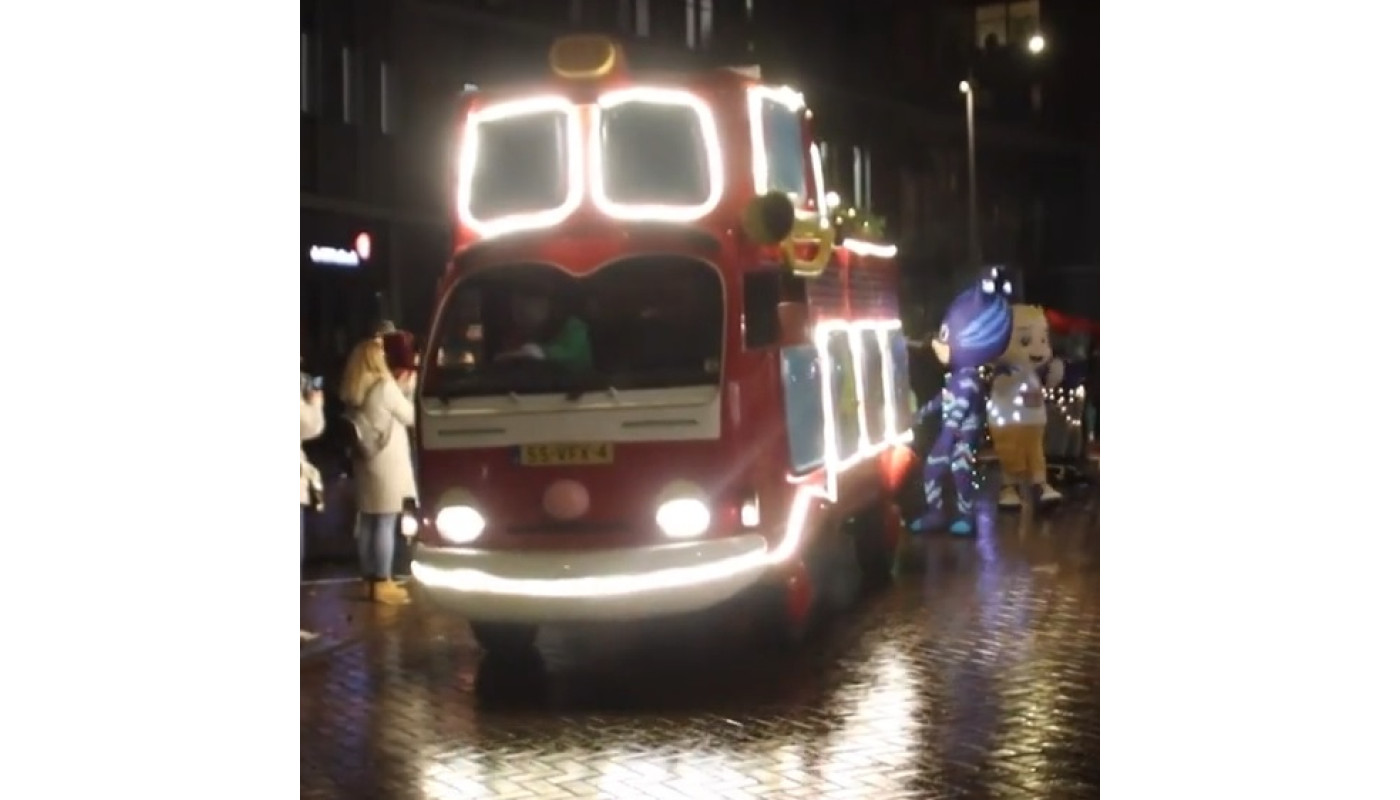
pixel 1054 373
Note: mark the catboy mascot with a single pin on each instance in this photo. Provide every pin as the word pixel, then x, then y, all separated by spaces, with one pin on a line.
pixel 1017 407
pixel 975 331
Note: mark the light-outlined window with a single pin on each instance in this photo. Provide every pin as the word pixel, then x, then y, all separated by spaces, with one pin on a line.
pixel 903 395
pixel 656 155
pixel 520 166
pixel 872 363
pixel 784 149
pixel 845 402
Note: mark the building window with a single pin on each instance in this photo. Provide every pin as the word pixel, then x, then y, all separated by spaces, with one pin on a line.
pixel 1000 24
pixel 352 89
pixel 386 98
pixel 699 23
pixel 308 74
pixel 860 172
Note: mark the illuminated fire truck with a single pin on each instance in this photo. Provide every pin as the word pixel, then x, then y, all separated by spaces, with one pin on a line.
pixel 658 377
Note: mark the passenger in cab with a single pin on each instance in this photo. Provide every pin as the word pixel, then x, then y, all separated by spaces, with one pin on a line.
pixel 541 330
pixel 384 480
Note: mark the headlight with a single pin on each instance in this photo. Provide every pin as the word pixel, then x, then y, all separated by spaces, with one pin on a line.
pixel 460 524
pixel 409 525
pixel 683 518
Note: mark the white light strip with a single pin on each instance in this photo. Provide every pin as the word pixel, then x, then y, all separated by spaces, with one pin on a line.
pixel 472 580
pixel 864 248
pixel 782 95
pixel 823 213
pixel 714 156
pixel 471 150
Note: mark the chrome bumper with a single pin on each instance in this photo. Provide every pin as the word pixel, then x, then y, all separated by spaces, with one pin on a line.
pixel 619 584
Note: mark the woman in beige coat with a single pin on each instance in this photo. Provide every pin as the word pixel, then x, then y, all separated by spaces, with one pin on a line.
pixel 384 481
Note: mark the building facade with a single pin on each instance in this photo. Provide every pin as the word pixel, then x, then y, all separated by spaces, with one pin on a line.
pixel 381 82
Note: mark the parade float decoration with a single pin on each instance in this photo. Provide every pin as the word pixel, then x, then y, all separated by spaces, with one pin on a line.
pixel 975 331
pixel 746 409
pixel 1017 408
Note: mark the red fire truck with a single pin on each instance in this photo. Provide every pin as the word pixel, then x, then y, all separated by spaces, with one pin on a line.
pixel 658 376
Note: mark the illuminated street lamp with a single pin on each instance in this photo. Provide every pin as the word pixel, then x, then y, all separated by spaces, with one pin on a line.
pixel 1036 45
pixel 974 242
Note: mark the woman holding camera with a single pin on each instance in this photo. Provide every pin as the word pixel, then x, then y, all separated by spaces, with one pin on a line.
pixel 384 479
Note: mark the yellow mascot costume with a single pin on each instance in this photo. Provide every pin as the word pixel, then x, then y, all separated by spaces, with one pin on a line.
pixel 1016 408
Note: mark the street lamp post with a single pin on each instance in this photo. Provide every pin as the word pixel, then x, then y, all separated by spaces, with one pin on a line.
pixel 1036 45
pixel 974 242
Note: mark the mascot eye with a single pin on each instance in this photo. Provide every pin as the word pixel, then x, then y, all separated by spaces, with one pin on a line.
pixel 989 286
pixel 943 334
pixel 1026 341
pixel 1006 288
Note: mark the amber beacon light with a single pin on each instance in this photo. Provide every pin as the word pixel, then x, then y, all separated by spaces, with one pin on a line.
pixel 585 57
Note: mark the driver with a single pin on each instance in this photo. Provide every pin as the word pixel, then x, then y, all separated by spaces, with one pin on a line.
pixel 541 331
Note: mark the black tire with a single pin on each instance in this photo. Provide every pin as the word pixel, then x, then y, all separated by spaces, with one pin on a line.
pixel 503 638
pixel 874 554
pixel 776 628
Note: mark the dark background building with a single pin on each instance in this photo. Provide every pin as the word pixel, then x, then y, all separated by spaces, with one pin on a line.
pixel 381 81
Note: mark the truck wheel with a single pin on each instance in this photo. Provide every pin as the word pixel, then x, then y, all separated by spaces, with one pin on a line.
pixel 789 609
pixel 504 638
pixel 877 531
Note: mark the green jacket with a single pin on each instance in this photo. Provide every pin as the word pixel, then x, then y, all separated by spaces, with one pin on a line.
pixel 570 346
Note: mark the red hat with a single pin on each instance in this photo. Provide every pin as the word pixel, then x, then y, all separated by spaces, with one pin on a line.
pixel 399 351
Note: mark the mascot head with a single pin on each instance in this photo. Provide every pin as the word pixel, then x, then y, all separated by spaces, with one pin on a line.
pixel 977 327
pixel 1030 337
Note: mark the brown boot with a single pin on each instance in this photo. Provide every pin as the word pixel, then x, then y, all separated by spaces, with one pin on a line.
pixel 387 593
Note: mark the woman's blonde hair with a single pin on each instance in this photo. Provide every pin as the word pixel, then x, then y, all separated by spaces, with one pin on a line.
pixel 365 368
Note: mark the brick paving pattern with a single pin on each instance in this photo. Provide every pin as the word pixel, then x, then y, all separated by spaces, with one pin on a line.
pixel 976 679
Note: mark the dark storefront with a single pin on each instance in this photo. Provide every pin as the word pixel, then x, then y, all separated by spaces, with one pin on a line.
pixel 344 275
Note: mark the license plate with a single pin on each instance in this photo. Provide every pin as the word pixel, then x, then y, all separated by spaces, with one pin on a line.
pixel 565 455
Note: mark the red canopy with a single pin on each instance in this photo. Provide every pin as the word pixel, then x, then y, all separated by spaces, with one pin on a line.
pixel 1064 323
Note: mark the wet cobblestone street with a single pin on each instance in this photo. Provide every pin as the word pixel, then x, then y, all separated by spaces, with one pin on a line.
pixel 977 679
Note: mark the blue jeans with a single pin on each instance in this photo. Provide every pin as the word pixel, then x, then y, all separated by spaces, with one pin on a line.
pixel 376 537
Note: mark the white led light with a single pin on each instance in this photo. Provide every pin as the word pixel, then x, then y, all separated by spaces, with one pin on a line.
pixel 471 150
pixel 460 524
pixel 823 210
pixel 409 525
pixel 748 513
pixel 709 134
pixel 864 248
pixel 683 517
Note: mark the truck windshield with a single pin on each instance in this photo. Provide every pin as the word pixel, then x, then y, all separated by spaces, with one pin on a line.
pixel 652 322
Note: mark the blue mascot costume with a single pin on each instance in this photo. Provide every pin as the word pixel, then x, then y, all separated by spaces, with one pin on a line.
pixel 975 332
